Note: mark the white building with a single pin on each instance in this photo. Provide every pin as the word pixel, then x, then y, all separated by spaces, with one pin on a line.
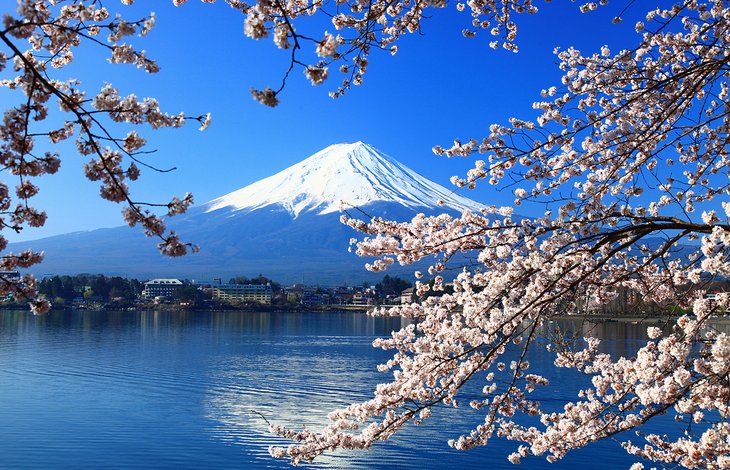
pixel 161 288
pixel 406 296
pixel 243 293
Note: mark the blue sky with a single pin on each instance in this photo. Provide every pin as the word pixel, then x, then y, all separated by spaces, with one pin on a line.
pixel 439 86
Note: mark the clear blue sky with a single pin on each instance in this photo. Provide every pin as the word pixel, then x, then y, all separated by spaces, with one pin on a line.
pixel 439 86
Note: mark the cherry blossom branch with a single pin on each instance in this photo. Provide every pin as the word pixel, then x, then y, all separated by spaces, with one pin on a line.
pixel 52 32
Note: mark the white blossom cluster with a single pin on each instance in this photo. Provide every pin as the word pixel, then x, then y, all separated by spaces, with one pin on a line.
pixel 37 42
pixel 629 158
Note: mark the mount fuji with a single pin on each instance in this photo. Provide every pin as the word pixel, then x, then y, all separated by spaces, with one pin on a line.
pixel 354 174
pixel 285 226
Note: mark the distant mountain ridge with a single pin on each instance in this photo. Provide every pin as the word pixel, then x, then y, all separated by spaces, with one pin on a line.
pixel 285 226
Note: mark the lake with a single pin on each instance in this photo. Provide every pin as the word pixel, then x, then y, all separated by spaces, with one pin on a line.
pixel 183 390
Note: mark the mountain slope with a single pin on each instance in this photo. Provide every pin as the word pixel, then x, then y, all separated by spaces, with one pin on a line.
pixel 356 174
pixel 285 226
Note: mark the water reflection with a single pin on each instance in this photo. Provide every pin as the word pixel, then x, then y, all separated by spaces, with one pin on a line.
pixel 293 369
pixel 177 390
pixel 619 337
pixel 297 388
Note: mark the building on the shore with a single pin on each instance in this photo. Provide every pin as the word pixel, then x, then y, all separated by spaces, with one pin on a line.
pixel 260 293
pixel 10 276
pixel 315 298
pixel 407 295
pixel 362 298
pixel 161 288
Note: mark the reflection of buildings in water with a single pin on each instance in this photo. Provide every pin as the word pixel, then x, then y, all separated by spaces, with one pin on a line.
pixel 618 338
pixel 720 325
pixel 275 323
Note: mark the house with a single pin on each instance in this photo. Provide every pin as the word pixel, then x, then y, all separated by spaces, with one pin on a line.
pixel 362 298
pixel 10 276
pixel 406 296
pixel 243 293
pixel 161 288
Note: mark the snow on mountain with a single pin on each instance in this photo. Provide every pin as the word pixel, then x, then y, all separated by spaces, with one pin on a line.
pixel 354 174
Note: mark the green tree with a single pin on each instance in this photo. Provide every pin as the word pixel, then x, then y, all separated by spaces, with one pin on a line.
pixel 391 285
pixel 189 294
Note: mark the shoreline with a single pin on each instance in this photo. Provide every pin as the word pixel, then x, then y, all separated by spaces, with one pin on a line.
pixel 365 309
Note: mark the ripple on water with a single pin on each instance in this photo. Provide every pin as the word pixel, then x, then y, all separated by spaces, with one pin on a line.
pixel 173 390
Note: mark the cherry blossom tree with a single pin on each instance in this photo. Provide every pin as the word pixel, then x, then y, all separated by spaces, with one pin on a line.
pixel 37 42
pixel 628 156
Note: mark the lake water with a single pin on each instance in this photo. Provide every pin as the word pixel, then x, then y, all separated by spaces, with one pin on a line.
pixel 126 390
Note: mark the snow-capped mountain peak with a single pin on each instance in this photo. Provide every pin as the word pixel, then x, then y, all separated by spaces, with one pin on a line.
pixel 355 174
